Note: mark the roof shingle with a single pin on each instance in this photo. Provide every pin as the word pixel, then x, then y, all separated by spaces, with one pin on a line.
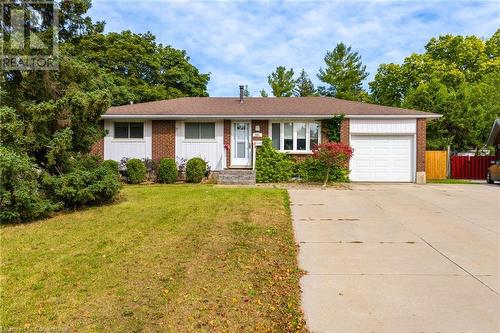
pixel 259 106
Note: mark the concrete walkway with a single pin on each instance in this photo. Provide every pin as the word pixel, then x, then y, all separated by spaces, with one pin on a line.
pixel 399 258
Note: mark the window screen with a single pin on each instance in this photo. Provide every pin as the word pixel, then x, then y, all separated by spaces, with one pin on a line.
pixel 129 130
pixel 301 135
pixel 288 135
pixel 207 130
pixel 197 131
pixel 121 130
pixel 136 130
pixel 276 127
pixel 192 131
pixel 313 135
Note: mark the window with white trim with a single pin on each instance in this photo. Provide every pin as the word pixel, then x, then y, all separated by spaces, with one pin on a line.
pixel 199 131
pixel 295 136
pixel 129 130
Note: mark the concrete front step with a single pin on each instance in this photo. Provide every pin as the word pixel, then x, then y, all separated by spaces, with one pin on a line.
pixel 237 177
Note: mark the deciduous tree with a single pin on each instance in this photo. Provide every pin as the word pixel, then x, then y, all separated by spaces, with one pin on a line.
pixel 456 77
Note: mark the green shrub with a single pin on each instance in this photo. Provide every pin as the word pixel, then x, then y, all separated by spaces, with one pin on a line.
pixel 82 187
pixel 136 171
pixel 167 172
pixel 196 169
pixel 86 162
pixel 272 166
pixel 20 195
pixel 111 166
pixel 312 170
pixel 151 169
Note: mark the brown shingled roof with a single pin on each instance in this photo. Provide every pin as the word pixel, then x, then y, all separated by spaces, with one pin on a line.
pixel 258 106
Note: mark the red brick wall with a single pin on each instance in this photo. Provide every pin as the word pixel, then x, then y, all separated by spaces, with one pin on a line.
pixel 324 133
pixel 264 129
pixel 227 141
pixel 344 131
pixel 421 143
pixel 163 139
pixel 98 147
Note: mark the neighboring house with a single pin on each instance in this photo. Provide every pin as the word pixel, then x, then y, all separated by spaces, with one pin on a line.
pixel 494 138
pixel 389 143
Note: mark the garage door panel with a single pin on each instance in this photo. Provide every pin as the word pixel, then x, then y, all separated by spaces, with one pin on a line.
pixel 382 158
pixel 399 152
pixel 400 165
pixel 381 164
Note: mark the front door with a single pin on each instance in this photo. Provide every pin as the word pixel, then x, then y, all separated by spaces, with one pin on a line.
pixel 241 155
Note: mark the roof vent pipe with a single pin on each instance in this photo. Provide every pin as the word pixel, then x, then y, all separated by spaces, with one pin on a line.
pixel 242 92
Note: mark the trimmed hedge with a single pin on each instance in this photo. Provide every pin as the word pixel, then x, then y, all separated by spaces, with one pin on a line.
pixel 136 171
pixel 196 169
pixel 271 165
pixel 82 187
pixel 167 172
pixel 112 166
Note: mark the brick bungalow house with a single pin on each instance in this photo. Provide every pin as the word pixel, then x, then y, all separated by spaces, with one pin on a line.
pixel 389 143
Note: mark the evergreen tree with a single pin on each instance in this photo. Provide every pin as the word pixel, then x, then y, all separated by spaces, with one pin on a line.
pixel 281 82
pixel 344 73
pixel 304 86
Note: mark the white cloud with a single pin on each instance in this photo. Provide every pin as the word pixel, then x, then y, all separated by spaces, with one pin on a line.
pixel 242 42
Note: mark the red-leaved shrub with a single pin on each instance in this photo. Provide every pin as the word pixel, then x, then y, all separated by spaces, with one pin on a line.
pixel 332 154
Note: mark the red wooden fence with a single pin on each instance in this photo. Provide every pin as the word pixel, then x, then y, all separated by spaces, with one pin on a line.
pixel 470 167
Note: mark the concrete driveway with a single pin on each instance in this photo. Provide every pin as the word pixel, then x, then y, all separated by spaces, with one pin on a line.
pixel 399 258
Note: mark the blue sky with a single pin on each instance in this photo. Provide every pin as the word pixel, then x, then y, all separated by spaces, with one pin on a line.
pixel 242 42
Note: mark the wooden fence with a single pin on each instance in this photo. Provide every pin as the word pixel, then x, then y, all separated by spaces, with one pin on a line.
pixel 470 167
pixel 435 164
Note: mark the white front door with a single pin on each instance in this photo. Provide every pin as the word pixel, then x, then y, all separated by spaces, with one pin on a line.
pixel 240 152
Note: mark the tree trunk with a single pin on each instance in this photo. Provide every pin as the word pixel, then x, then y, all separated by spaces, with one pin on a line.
pixel 326 179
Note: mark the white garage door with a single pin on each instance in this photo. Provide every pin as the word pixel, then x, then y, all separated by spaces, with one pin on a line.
pixel 385 158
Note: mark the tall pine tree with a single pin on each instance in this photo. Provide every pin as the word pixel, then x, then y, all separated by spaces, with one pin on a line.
pixel 344 73
pixel 282 82
pixel 304 86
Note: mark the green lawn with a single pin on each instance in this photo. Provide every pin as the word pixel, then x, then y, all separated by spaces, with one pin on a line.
pixel 174 258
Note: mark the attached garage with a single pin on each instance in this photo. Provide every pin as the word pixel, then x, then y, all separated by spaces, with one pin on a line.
pixel 384 150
